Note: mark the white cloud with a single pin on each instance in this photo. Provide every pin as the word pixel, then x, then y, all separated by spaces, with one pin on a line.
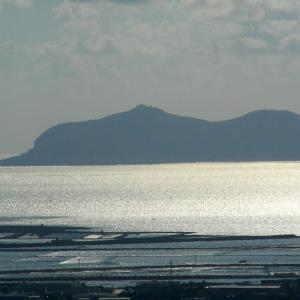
pixel 291 42
pixel 254 43
pixel 105 36
pixel 94 32
pixel 278 28
pixel 210 8
pixel 286 6
pixel 17 3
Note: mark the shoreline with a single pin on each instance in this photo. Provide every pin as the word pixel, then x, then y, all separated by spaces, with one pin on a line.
pixel 51 236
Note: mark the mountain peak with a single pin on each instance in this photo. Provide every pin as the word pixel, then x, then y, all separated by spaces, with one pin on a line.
pixel 271 114
pixel 141 108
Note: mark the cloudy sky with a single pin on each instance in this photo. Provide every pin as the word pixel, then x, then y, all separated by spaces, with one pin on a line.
pixel 63 60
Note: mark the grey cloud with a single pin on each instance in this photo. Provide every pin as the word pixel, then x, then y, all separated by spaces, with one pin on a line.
pixel 116 1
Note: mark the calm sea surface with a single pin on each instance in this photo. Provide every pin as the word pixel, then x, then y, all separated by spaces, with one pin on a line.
pixel 233 198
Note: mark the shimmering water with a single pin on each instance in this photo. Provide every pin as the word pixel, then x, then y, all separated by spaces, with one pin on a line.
pixel 231 198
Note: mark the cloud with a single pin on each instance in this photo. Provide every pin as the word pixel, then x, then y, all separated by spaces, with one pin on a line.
pixel 88 34
pixel 116 1
pixel 104 36
pixel 254 43
pixel 291 42
pixel 277 28
pixel 17 3
pixel 7 51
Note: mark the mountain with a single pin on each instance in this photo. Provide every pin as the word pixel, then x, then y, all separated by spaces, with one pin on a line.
pixel 149 135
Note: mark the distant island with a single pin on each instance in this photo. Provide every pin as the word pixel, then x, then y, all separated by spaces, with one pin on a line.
pixel 148 135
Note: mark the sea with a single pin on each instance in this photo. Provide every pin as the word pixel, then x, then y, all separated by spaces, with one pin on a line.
pixel 207 198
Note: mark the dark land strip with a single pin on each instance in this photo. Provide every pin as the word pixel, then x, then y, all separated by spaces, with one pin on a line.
pixel 94 277
pixel 149 267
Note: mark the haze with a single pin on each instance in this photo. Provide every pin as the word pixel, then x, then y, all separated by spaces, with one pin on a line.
pixel 74 60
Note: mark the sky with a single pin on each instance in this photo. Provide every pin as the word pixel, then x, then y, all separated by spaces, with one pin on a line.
pixel 72 60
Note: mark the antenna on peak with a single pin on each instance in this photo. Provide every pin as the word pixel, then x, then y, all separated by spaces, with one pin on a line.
pixel 147 108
